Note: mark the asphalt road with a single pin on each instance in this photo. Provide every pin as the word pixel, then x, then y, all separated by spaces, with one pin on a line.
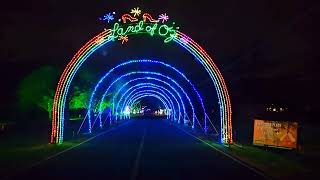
pixel 141 149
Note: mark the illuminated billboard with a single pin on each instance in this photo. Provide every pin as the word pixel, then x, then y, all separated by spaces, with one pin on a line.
pixel 275 133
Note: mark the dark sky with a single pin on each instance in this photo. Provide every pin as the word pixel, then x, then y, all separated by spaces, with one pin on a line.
pixel 264 47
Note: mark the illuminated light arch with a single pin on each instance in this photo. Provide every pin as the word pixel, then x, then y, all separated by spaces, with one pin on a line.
pixel 153 79
pixel 148 85
pixel 168 66
pixel 172 68
pixel 107 36
pixel 132 100
pixel 144 92
pixel 142 95
pixel 156 91
pixel 137 73
pixel 151 95
pixel 143 61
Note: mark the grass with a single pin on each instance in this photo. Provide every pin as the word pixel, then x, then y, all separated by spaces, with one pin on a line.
pixel 15 159
pixel 273 164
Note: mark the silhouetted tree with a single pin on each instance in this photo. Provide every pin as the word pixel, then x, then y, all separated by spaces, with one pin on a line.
pixel 37 89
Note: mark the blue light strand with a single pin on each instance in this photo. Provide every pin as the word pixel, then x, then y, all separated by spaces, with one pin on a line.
pixel 147 85
pixel 141 93
pixel 150 87
pixel 200 58
pixel 162 93
pixel 108 17
pixel 124 85
pixel 145 61
pixel 154 79
pixel 148 73
pixel 69 82
pixel 148 95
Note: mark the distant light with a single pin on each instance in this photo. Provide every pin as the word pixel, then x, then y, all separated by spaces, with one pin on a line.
pixel 127 110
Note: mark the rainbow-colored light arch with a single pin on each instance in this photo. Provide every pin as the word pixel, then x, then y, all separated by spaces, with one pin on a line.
pixel 103 38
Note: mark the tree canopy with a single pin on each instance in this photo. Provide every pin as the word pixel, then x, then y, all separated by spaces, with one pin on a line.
pixel 37 90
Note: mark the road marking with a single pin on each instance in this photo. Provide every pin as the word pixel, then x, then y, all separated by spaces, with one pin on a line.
pixel 227 155
pixel 137 161
pixel 66 150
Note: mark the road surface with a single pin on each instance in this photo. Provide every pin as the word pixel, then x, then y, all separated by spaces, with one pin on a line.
pixel 141 149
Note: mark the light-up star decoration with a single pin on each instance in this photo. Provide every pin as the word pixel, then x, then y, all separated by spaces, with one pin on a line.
pixel 163 17
pixel 135 11
pixel 123 39
pixel 108 17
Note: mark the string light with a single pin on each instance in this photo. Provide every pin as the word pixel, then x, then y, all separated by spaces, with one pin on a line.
pixel 162 90
pixel 91 46
pixel 143 95
pixel 123 39
pixel 138 61
pixel 130 74
pixel 141 27
pixel 163 17
pixel 135 11
pixel 107 17
pixel 148 78
pixel 147 16
pixel 150 62
pixel 147 85
pixel 130 101
pixel 128 17
pixel 216 77
pixel 184 40
pixel 140 96
pixel 99 40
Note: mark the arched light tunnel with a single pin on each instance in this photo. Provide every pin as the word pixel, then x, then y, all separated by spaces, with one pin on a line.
pixel 149 73
pixel 157 83
pixel 176 106
pixel 164 90
pixel 183 103
pixel 139 91
pixel 149 93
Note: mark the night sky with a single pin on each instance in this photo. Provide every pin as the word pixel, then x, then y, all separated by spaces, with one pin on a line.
pixel 265 49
